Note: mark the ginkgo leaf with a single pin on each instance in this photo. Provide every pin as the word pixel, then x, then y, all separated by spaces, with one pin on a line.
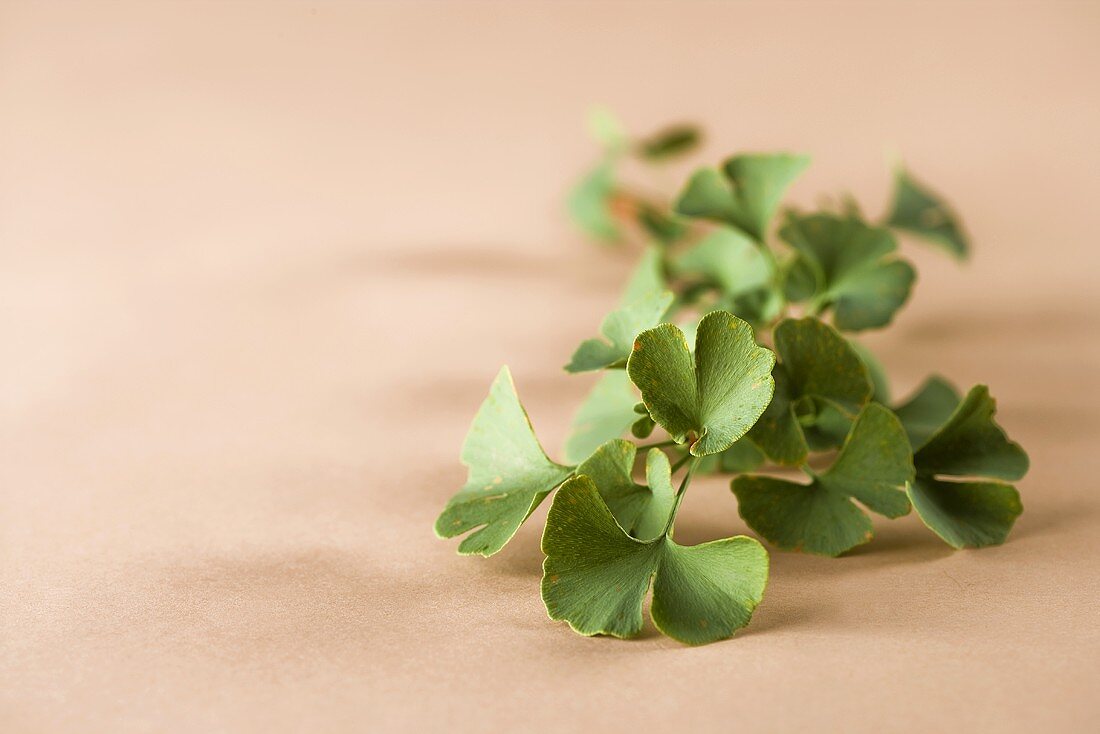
pixel 606 413
pixel 879 382
pixel 590 204
pixel 920 211
pixel 971 444
pixel 802 278
pixel 745 193
pixel 742 457
pixel 640 510
pixel 928 409
pixel 664 228
pixel 606 128
pixel 819 378
pixel 873 467
pixel 965 512
pixel 715 398
pixel 730 260
pixel 619 329
pixel 509 474
pixel 596 577
pixel 647 277
pixel 856 279
pixel 672 141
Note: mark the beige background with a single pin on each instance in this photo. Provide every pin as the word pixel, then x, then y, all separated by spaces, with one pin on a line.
pixel 260 263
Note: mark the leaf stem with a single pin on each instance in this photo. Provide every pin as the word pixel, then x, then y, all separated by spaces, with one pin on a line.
pixel 658 445
pixel 681 491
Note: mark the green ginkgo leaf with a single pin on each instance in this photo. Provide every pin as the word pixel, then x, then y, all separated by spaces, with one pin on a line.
pixel 590 204
pixel 920 211
pixel 619 329
pixel 963 511
pixel 820 385
pixel 606 128
pixel 509 474
pixel 928 409
pixel 745 194
pixel 874 467
pixel 596 577
pixel 662 227
pixel 713 399
pixel 606 413
pixel 672 141
pixel 642 511
pixel 879 381
pixel 863 286
pixel 728 259
pixel 647 277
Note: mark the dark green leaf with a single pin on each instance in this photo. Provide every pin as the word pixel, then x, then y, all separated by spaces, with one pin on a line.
pixel 971 444
pixel 873 467
pixel 879 382
pixel 596 577
pixel 671 141
pixel 863 286
pixel 605 414
pixel 802 278
pixel 920 211
pixel 716 399
pixel 778 433
pixel 643 427
pixel 928 409
pixel 619 329
pixel 509 474
pixel 660 226
pixel 822 364
pixel 819 379
pixel 967 513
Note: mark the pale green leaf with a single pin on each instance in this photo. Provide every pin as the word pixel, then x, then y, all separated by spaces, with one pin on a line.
pixel 589 204
pixel 509 474
pixel 619 328
pixel 730 260
pixel 745 194
pixel 759 182
pixel 640 510
pixel 607 129
pixel 605 414
pixel 713 400
pixel 648 277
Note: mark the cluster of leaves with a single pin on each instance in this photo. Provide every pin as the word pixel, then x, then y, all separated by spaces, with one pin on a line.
pixel 738 345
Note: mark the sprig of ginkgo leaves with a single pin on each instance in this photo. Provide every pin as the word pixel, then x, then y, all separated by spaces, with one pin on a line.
pixel 734 338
